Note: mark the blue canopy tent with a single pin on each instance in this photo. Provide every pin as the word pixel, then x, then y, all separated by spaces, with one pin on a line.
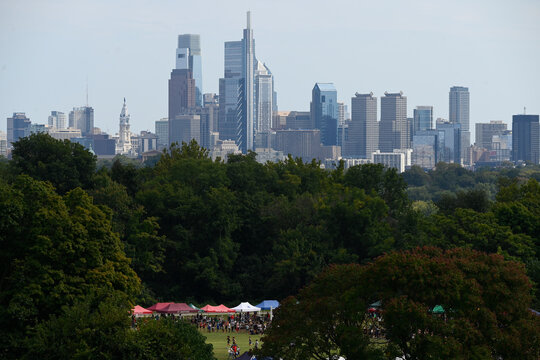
pixel 268 304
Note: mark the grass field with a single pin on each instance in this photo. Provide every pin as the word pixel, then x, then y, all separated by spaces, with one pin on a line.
pixel 219 341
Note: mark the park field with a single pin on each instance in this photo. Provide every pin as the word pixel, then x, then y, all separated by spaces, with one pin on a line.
pixel 219 341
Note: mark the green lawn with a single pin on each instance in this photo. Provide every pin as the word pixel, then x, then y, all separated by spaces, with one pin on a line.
pixel 219 341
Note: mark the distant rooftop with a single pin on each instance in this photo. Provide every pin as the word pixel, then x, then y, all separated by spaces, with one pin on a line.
pixel 326 86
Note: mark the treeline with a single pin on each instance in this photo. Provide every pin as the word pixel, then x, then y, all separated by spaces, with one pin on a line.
pixel 187 228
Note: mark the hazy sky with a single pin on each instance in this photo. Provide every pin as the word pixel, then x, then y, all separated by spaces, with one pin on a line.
pixel 48 48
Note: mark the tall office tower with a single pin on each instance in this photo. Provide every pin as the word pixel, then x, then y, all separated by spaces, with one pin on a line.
pixel 236 91
pixel 184 128
pixel 486 131
pixel 123 146
pixel 16 127
pixel 181 92
pixel 459 114
pixel 57 120
pixel 324 112
pixel 452 141
pixel 342 109
pixel 162 132
pixel 188 57
pixel 393 129
pixel 423 118
pixel 525 138
pixel 264 94
pixel 82 118
pixel 363 127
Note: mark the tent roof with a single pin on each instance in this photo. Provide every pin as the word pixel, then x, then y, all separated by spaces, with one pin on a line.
pixel 140 310
pixel 159 306
pixel 267 304
pixel 180 308
pixel 245 356
pixel 246 307
pixel 438 309
pixel 217 309
pixel 193 306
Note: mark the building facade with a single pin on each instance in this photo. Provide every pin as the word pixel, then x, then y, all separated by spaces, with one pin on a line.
pixel 184 128
pixel 423 118
pixel 486 131
pixel 162 132
pixel 16 127
pixel 525 138
pixel 57 120
pixel 82 118
pixel 181 92
pixel 124 146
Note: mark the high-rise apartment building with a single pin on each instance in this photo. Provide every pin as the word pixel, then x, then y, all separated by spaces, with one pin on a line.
pixel 363 131
pixel 486 131
pixel 17 125
pixel 162 132
pixel 324 112
pixel 57 120
pixel 459 114
pixel 188 57
pixel 393 128
pixel 82 118
pixel 236 91
pixel 423 118
pixel 526 138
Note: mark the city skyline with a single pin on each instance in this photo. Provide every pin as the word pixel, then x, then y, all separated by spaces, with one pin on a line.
pixel 502 54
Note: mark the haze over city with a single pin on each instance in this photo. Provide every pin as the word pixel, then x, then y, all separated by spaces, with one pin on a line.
pixel 126 49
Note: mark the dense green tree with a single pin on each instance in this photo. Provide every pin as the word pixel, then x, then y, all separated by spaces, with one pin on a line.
pixel 57 250
pixel 65 164
pixel 485 298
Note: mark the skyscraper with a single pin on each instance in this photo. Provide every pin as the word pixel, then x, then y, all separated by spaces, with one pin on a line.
pixel 452 141
pixel 363 128
pixel 236 91
pixel 16 127
pixel 459 114
pixel 188 57
pixel 486 131
pixel 423 118
pixel 264 94
pixel 525 138
pixel 57 120
pixel 82 118
pixel 324 112
pixel 181 92
pixel 393 129
pixel 184 128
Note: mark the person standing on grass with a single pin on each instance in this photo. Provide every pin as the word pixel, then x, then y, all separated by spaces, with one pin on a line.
pixel 228 340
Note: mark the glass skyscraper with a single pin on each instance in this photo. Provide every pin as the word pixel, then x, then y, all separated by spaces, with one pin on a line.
pixel 188 56
pixel 525 138
pixel 459 104
pixel 423 118
pixel 324 112
pixel 236 91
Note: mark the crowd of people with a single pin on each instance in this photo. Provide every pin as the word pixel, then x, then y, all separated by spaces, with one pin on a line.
pixel 252 323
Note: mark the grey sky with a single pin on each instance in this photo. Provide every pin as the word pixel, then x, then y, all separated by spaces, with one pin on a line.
pixel 126 49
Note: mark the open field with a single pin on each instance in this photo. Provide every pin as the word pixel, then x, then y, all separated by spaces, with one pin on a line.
pixel 219 341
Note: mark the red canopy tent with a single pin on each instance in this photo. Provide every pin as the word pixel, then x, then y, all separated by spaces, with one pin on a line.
pixel 139 310
pixel 217 309
pixel 181 308
pixel 159 306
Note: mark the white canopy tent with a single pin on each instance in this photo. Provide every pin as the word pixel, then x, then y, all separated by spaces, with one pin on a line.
pixel 246 307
